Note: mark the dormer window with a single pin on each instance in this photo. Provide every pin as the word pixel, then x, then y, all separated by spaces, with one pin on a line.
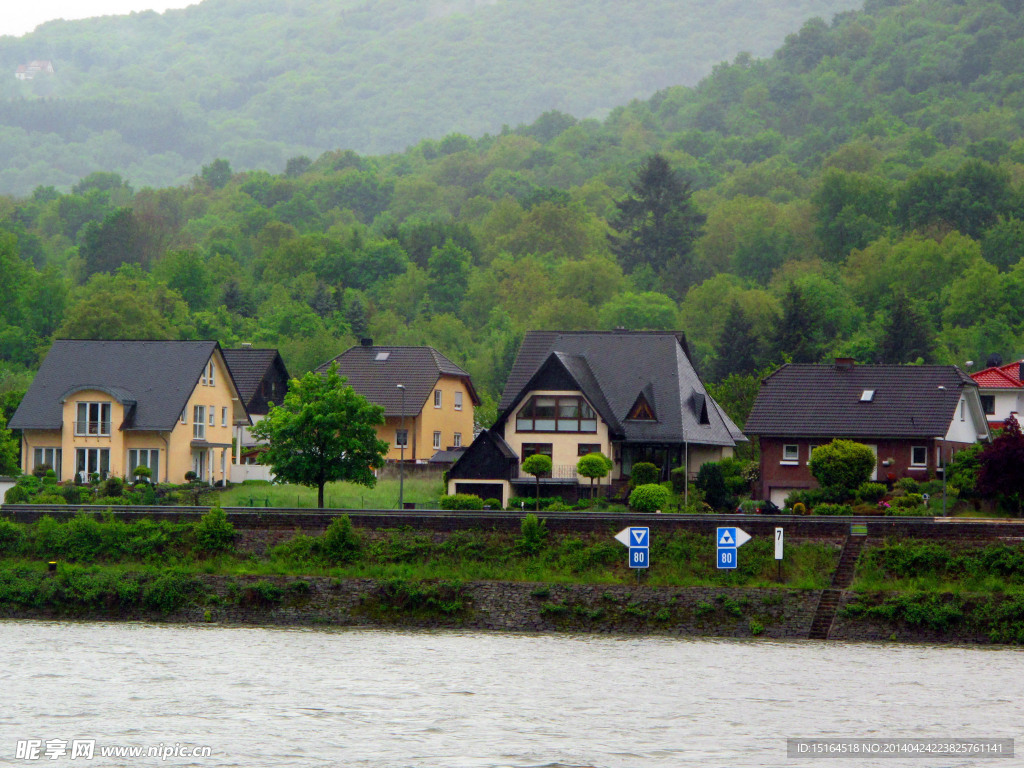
pixel 867 395
pixel 641 410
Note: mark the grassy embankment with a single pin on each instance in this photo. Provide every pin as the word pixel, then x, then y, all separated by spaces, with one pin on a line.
pixel 948 587
pixel 384 495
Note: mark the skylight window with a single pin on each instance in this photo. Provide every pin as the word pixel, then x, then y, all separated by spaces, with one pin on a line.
pixel 382 356
pixel 867 395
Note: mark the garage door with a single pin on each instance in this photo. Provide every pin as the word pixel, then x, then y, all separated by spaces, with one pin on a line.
pixel 778 495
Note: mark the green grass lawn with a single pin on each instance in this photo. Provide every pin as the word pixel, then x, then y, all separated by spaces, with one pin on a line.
pixel 384 495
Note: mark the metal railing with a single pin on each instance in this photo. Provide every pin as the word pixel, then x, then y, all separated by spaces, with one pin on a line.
pixel 558 472
pixel 101 428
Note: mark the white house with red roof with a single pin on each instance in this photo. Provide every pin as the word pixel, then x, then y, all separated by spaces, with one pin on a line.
pixel 1002 391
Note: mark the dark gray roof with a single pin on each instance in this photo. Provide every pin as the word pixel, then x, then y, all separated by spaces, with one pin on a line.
pixel 157 377
pixel 612 369
pixel 248 367
pixel 825 401
pixel 418 368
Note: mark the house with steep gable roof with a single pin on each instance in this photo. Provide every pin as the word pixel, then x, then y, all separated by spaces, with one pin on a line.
pixel 106 407
pixel 1002 391
pixel 913 417
pixel 262 379
pixel 428 400
pixel 632 395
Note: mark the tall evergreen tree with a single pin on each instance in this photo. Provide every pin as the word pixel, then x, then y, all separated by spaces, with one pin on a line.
pixel 907 334
pixel 796 335
pixel 657 224
pixel 737 345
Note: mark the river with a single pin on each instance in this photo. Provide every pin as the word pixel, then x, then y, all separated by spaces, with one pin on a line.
pixel 269 698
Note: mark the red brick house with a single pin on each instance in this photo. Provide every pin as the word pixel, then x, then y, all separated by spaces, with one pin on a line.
pixel 914 417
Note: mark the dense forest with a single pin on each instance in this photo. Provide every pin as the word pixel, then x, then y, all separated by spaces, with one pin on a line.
pixel 860 192
pixel 153 97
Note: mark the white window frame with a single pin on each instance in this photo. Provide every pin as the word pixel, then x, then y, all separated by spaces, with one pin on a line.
pixel 210 374
pixel 458 401
pixel 790 457
pixel 963 405
pixel 437 398
pixel 90 426
pixel 198 422
pixel 212 415
pixel 457 441
pixel 146 457
pixel 437 441
pixel 224 416
pixel 919 464
pixel 94 461
pixel 184 416
pixel 50 456
pixel 401 438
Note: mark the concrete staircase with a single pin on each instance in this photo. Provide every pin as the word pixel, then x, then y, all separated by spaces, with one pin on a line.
pixel 828 604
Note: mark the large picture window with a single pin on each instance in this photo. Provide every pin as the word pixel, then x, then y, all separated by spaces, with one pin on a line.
pixel 199 422
pixel 47 456
pixel 93 419
pixel 551 413
pixel 90 461
pixel 144 457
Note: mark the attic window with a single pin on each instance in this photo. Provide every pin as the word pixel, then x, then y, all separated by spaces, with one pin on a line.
pixel 867 395
pixel 382 356
pixel 641 410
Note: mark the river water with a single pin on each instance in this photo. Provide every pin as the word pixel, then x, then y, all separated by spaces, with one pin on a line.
pixel 268 698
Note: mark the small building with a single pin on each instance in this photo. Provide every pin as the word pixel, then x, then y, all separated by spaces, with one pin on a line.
pixel 106 407
pixel 633 396
pixel 912 417
pixel 262 379
pixel 428 400
pixel 1002 392
pixel 33 69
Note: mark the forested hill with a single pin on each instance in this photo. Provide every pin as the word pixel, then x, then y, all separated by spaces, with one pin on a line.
pixel 858 193
pixel 153 97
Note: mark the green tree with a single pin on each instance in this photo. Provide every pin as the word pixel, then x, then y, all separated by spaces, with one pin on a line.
pixel 217 174
pixel 711 482
pixel 842 464
pixel 796 335
pixel 907 334
pixel 323 432
pixel 640 311
pixel 738 346
pixel 9 464
pixel 538 464
pixel 595 466
pixel 113 242
pixel 657 224
pixel 449 268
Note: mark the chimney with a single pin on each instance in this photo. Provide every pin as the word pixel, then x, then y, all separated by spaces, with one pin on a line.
pixel 366 342
pixel 246 345
pixel 844 363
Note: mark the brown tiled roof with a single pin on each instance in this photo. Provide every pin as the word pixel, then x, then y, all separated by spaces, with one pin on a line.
pixel 375 372
pixel 826 401
pixel 248 367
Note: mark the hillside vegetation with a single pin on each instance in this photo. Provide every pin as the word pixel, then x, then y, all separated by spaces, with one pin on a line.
pixel 153 97
pixel 858 193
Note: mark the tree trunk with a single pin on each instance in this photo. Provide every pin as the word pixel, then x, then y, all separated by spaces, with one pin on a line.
pixel 320 495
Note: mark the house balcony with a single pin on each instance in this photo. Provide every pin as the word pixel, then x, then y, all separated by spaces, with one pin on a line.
pixel 560 473
pixel 98 428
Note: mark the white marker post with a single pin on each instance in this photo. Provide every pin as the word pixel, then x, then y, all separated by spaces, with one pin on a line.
pixel 778 550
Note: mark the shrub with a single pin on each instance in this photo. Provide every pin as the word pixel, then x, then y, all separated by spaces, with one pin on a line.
pixel 263 592
pixel 341 543
pixel 521 502
pixel 870 493
pixel 40 470
pixel 908 484
pixel 142 473
pixel 833 509
pixel 16 495
pixel 711 482
pixel 678 478
pixel 10 537
pixel 799 508
pixel 169 591
pixel 534 532
pixel 643 473
pixel 910 501
pixel 112 486
pixel 214 533
pixel 492 503
pixel 48 498
pixel 808 498
pixel 649 497
pixel 842 463
pixel 462 501
pixel 73 494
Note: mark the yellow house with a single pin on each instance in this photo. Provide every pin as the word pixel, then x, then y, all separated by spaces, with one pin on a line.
pixel 428 400
pixel 106 407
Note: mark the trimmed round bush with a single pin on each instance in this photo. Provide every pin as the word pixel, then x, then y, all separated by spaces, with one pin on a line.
pixel 649 497
pixel 643 473
pixel 462 501
pixel 492 503
pixel 16 495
